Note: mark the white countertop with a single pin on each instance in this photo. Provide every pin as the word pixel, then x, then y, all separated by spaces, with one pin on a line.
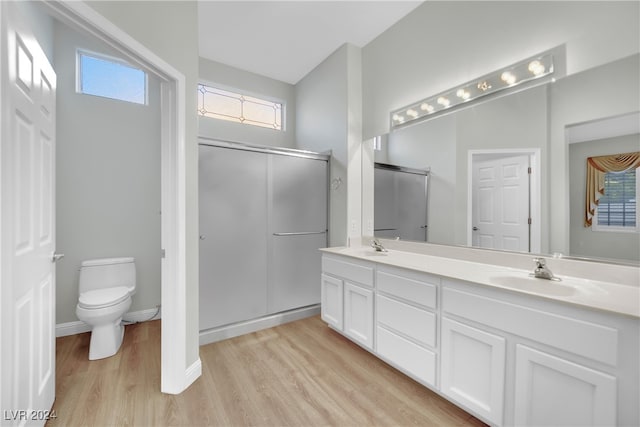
pixel 612 297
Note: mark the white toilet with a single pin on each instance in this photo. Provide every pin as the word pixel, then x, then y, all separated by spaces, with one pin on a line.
pixel 105 288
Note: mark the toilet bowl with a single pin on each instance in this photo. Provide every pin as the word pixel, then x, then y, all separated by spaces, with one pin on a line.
pixel 105 289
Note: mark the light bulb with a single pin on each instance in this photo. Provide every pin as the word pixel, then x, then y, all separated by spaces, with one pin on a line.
pixel 508 78
pixel 536 67
pixel 461 93
pixel 412 113
pixel 443 101
pixel 426 107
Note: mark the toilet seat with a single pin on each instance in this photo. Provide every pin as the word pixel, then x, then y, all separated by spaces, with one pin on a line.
pixel 102 298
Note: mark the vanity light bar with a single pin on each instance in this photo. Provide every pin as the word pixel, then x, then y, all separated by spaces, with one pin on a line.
pixel 514 75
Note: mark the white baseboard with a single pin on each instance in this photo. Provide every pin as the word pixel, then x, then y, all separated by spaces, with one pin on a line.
pixel 236 329
pixel 192 373
pixel 79 327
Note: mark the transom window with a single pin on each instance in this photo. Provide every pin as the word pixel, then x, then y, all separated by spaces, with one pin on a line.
pixel 108 77
pixel 236 107
pixel 618 208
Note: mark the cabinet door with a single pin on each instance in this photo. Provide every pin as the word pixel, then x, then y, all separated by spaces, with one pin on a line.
pixel 473 368
pixel 551 391
pixel 358 314
pixel 331 296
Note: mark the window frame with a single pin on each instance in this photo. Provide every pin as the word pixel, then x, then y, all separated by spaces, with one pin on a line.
pixel 243 92
pixel 104 57
pixel 615 228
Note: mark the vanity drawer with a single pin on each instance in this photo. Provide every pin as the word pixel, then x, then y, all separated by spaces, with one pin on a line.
pixel 409 357
pixel 361 273
pixel 414 291
pixel 413 322
pixel 597 342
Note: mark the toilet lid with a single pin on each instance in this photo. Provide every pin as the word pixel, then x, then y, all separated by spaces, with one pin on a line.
pixel 101 298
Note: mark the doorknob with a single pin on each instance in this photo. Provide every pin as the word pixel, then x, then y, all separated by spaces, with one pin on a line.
pixel 475 229
pixel 202 237
pixel 56 257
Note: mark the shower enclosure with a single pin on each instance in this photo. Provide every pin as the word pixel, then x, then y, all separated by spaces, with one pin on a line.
pixel 263 217
pixel 401 199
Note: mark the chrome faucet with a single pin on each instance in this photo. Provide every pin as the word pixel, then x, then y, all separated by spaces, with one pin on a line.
pixel 541 271
pixel 375 244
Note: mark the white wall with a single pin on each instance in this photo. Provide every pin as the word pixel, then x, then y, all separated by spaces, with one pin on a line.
pixel 226 77
pixel 107 181
pixel 170 30
pixel 328 113
pixel 584 240
pixel 442 44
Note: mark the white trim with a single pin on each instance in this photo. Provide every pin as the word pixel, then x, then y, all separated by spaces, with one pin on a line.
pixel 534 194
pixel 193 372
pixel 174 375
pixel 236 329
pixel 79 327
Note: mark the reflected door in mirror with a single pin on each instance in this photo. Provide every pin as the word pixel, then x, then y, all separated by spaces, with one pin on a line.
pixel 500 197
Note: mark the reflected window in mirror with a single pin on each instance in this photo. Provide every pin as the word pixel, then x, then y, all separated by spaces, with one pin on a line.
pixel 618 208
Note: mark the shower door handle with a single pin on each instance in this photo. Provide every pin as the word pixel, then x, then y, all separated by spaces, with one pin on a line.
pixel 301 233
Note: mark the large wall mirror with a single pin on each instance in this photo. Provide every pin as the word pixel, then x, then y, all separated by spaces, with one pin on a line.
pixel 474 149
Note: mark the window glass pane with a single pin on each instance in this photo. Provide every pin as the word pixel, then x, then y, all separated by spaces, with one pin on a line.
pixel 226 105
pixel 111 79
pixel 617 208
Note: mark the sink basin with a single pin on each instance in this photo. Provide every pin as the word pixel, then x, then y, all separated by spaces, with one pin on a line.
pixel 374 253
pixel 528 283
pixel 365 252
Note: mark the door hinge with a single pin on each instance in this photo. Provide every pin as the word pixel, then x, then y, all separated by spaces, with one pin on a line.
pixel 163 253
pixel 529 221
pixel 529 170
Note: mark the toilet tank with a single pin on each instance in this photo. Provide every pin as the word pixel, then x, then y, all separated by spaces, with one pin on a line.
pixel 107 273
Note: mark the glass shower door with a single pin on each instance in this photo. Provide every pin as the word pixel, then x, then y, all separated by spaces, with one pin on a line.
pixel 233 224
pixel 298 225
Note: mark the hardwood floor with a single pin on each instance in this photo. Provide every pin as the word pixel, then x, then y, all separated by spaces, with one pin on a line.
pixel 298 374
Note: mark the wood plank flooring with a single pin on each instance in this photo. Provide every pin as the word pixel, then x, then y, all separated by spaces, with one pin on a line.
pixel 298 374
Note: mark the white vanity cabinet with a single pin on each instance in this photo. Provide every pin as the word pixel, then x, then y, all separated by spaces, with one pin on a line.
pixel 507 357
pixel 515 360
pixel 406 325
pixel 347 298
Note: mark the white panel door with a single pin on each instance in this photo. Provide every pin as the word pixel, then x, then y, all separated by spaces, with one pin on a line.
pixel 551 391
pixel 473 369
pixel 27 154
pixel 500 197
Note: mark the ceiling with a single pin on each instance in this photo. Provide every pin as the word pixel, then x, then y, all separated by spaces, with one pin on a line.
pixel 285 40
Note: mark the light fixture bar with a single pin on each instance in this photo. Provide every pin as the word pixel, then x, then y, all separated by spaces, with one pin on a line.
pixel 506 78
